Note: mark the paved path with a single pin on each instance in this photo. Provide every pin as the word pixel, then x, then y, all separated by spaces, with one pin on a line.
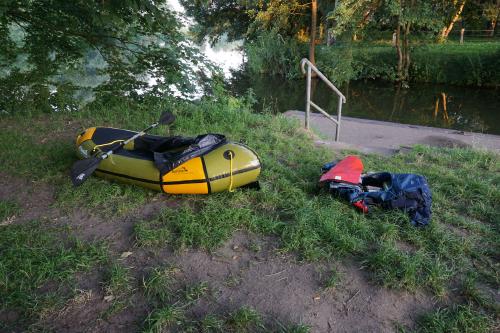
pixel 374 136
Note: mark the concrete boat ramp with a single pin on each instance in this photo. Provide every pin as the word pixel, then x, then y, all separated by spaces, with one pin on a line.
pixel 380 137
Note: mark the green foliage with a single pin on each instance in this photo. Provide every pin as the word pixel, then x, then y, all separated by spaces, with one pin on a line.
pixel 56 54
pixel 195 292
pixel 285 17
pixel 396 268
pixel 207 226
pixel 353 17
pixel 211 323
pixel 238 19
pixel 348 15
pixel 33 259
pixel 217 18
pixel 352 62
pixel 272 54
pixel 469 64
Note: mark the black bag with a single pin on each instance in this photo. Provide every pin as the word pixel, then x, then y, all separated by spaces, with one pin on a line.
pixel 201 145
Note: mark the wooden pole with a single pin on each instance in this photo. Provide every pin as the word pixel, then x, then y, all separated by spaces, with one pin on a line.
pixel 462 35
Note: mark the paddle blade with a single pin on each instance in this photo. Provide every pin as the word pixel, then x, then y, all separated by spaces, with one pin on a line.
pixel 166 118
pixel 82 170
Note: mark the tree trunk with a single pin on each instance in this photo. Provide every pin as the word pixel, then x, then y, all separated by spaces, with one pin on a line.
pixel 406 48
pixel 446 30
pixel 314 13
pixel 402 44
pixel 399 72
pixel 494 24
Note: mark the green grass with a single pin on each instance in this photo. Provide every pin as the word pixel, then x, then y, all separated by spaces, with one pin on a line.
pixel 243 320
pixel 333 280
pixel 463 235
pixel 474 64
pixel 100 196
pixel 117 279
pixel 462 318
pixel 160 283
pixel 47 156
pixel 161 320
pixel 8 211
pixel 319 227
pixel 459 248
pixel 118 286
pixel 36 267
pixel 195 292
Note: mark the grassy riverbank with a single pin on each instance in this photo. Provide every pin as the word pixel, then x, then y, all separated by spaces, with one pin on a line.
pixel 470 64
pixel 109 254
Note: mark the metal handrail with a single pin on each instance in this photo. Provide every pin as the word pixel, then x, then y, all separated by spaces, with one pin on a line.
pixel 342 99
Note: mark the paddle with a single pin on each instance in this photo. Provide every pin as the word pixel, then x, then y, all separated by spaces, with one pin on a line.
pixel 82 169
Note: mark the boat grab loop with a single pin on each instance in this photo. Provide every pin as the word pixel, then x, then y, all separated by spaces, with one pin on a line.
pixel 231 156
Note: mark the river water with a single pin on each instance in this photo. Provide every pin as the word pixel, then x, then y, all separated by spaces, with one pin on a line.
pixel 436 105
pixel 467 109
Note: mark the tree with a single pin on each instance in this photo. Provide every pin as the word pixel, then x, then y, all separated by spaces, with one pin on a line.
pixel 312 37
pixel 351 16
pixel 452 10
pixel 491 10
pixel 403 15
pixel 215 18
pixel 46 43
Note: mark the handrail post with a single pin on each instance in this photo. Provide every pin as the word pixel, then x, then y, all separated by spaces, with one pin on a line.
pixel 310 67
pixel 308 97
pixel 339 114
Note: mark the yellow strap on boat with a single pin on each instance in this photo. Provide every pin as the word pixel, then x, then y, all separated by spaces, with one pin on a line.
pixel 106 144
pixel 231 171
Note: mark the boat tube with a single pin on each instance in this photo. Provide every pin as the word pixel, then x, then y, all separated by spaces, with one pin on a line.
pixel 178 165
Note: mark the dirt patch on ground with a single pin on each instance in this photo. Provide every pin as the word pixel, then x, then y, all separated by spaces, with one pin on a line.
pixel 283 289
pixel 249 270
pixel 33 197
pixel 87 310
pixel 116 231
pixel 246 270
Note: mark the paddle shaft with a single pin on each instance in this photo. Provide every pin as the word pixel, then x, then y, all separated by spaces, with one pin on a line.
pixel 82 169
pixel 123 143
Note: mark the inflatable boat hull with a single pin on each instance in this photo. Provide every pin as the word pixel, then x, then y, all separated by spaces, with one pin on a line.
pixel 229 165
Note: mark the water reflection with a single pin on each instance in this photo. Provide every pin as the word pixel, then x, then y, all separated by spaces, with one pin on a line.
pixel 446 106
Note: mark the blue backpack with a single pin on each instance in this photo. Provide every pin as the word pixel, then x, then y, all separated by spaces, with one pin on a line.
pixel 408 192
